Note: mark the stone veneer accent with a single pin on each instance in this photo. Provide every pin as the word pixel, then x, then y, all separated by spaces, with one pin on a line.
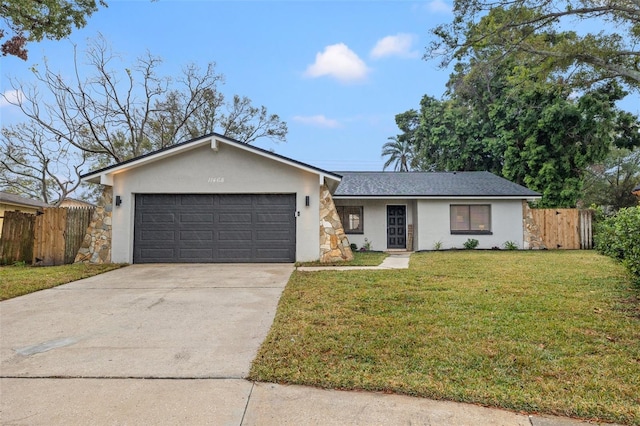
pixel 96 246
pixel 532 234
pixel 334 244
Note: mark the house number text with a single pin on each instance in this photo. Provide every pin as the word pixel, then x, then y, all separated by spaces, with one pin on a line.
pixel 216 180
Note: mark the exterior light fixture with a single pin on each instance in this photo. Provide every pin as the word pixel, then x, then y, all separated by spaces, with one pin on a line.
pixel 118 200
pixel 307 201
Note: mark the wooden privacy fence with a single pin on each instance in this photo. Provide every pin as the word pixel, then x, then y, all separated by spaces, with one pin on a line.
pixel 55 235
pixel 16 242
pixel 569 229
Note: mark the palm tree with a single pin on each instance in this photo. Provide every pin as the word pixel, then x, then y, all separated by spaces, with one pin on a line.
pixel 399 152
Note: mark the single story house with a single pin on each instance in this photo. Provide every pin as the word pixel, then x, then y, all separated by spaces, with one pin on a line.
pixel 214 199
pixel 424 210
pixel 636 190
pixel 13 202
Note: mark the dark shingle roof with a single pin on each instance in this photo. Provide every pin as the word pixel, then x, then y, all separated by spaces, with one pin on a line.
pixel 21 201
pixel 636 189
pixel 426 184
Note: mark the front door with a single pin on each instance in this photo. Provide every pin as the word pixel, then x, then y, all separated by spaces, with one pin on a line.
pixel 396 227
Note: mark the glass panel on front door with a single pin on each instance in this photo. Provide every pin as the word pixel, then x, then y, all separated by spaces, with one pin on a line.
pixel 396 227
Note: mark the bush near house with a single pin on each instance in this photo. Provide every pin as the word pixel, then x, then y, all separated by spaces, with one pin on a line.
pixel 619 237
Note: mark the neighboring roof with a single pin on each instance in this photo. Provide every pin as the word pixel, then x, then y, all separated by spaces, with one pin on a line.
pixel 74 202
pixel 428 184
pixel 97 176
pixel 17 200
pixel 636 189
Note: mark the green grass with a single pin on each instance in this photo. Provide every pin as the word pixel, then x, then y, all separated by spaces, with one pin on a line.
pixel 360 258
pixel 19 280
pixel 555 332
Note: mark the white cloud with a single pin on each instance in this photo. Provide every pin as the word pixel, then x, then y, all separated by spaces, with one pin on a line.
pixel 317 120
pixel 396 45
pixel 340 62
pixel 11 97
pixel 439 6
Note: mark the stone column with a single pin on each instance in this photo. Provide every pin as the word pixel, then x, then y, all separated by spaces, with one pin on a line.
pixel 334 244
pixel 96 246
pixel 532 234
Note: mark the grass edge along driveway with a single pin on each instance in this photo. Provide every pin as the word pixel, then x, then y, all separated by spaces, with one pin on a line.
pixel 20 280
pixel 553 332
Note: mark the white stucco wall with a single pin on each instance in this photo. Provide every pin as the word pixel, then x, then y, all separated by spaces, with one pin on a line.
pixel 229 170
pixel 506 224
pixel 430 220
pixel 375 220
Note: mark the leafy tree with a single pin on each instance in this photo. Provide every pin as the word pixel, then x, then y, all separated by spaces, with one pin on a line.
pixel 610 182
pixel 551 138
pixel 534 131
pixel 534 27
pixel 33 20
pixel 400 154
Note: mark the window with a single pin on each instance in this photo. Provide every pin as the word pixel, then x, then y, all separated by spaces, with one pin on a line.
pixel 351 218
pixel 470 219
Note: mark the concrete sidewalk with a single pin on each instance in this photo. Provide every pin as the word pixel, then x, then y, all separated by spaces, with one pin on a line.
pixel 237 402
pixel 393 261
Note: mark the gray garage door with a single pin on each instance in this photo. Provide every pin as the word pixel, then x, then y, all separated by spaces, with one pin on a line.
pixel 214 228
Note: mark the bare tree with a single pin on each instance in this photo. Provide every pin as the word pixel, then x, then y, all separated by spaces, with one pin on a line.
pixel 117 114
pixel 35 165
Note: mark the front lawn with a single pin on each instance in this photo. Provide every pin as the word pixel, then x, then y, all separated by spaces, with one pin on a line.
pixel 18 280
pixel 554 332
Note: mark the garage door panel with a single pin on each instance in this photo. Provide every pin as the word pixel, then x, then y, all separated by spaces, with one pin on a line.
pixel 214 228
pixel 273 218
pixel 159 218
pixel 235 255
pixel 235 200
pixel 241 235
pixel 156 200
pixel 198 235
pixel 273 236
pixel 196 218
pixel 158 253
pixel 235 218
pixel 157 235
pixel 203 253
pixel 196 200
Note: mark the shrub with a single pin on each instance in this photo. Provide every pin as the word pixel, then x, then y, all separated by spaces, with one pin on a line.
pixel 437 245
pixel 511 245
pixel 353 246
pixel 619 237
pixel 471 243
pixel 366 246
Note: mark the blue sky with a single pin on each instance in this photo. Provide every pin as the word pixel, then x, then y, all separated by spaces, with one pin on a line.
pixel 336 71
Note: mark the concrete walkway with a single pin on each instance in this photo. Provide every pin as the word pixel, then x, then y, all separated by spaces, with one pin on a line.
pixel 171 345
pixel 237 402
pixel 398 260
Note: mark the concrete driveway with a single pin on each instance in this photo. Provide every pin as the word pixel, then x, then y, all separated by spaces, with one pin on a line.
pixel 139 322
